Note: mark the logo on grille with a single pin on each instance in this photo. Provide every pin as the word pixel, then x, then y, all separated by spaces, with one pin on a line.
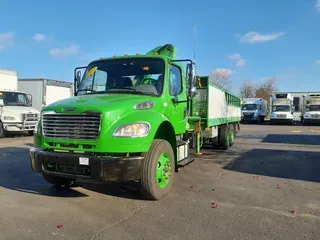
pixel 69 109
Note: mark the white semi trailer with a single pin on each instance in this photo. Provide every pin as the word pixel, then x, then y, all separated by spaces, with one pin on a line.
pixel 46 91
pixel 253 110
pixel 16 113
pixel 311 109
pixel 281 108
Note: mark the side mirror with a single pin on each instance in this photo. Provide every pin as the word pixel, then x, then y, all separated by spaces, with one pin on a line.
pixel 191 81
pixel 1 103
pixel 78 78
pixel 30 99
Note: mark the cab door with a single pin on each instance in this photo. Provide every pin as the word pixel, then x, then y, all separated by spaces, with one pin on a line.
pixel 177 103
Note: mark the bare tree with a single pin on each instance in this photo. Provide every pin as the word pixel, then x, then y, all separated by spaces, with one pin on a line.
pixel 221 77
pixel 247 90
pixel 266 88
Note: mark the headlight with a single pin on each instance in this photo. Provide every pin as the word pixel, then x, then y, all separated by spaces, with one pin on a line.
pixel 307 115
pixel 132 130
pixel 9 118
pixel 273 115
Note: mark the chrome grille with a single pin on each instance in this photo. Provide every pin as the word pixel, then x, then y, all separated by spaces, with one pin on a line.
pixel 71 126
pixel 316 116
pixel 30 116
pixel 281 116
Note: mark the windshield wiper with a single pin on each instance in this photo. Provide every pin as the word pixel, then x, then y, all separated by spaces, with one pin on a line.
pixel 128 88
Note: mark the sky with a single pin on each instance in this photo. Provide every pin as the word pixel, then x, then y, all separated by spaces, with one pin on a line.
pixel 248 39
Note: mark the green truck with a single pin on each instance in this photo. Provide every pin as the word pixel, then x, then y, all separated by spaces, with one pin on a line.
pixel 133 118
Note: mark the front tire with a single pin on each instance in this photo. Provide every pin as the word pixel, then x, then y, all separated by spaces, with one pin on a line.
pixel 157 172
pixel 58 181
pixel 2 132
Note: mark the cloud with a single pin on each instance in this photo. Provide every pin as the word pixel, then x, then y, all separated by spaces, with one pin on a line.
pixel 240 62
pixel 317 6
pixel 256 37
pixel 317 62
pixel 64 52
pixel 6 40
pixel 39 37
pixel 225 72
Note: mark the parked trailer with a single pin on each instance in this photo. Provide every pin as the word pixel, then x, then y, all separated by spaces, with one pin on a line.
pixel 253 110
pixel 281 108
pixel 16 113
pixel 311 109
pixel 138 126
pixel 45 91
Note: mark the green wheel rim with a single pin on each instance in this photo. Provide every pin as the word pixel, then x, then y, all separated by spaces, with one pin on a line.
pixel 232 134
pixel 228 138
pixel 164 170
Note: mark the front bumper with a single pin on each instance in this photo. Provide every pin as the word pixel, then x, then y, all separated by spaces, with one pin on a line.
pixel 19 126
pixel 115 169
pixel 311 121
pixel 281 120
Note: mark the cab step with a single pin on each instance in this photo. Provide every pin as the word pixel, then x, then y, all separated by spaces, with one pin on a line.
pixel 185 161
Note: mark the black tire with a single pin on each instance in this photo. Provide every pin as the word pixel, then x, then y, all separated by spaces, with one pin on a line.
pixel 223 140
pixel 149 186
pixel 31 133
pixel 58 181
pixel 2 132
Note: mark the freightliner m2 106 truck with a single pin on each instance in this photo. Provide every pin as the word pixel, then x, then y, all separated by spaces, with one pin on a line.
pixel 311 109
pixel 253 110
pixel 282 109
pixel 133 118
pixel 16 111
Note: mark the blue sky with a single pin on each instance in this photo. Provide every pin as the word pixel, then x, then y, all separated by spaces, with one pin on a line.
pixel 252 39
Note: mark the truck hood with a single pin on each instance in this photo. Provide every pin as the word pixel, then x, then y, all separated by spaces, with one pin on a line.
pixel 99 102
pixel 16 111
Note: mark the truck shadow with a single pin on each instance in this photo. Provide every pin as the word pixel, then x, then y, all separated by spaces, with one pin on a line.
pixel 16 174
pixel 306 139
pixel 298 165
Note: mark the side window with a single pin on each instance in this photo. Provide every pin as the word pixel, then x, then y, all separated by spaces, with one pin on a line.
pixel 175 81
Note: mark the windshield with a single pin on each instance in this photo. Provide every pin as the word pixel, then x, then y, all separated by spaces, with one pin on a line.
pixel 14 99
pixel 281 108
pixel 313 108
pixel 249 107
pixel 134 76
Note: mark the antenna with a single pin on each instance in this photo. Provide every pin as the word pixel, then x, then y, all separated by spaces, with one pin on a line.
pixel 194 43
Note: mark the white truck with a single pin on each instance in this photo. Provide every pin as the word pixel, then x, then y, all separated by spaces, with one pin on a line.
pixel 281 108
pixel 311 109
pixel 45 91
pixel 253 110
pixel 16 113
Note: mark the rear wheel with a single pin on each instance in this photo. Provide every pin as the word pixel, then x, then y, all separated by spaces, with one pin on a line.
pixel 157 172
pixel 231 134
pixel 58 181
pixel 224 137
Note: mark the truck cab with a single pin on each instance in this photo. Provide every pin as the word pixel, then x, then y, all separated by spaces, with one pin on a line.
pixel 282 108
pixel 253 110
pixel 16 113
pixel 311 109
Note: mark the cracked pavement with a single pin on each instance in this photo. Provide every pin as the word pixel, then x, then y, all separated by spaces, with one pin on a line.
pixel 269 172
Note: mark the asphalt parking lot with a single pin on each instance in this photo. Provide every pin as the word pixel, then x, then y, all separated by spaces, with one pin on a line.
pixel 267 186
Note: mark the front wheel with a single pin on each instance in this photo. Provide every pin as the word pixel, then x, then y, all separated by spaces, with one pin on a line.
pixel 2 132
pixel 157 172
